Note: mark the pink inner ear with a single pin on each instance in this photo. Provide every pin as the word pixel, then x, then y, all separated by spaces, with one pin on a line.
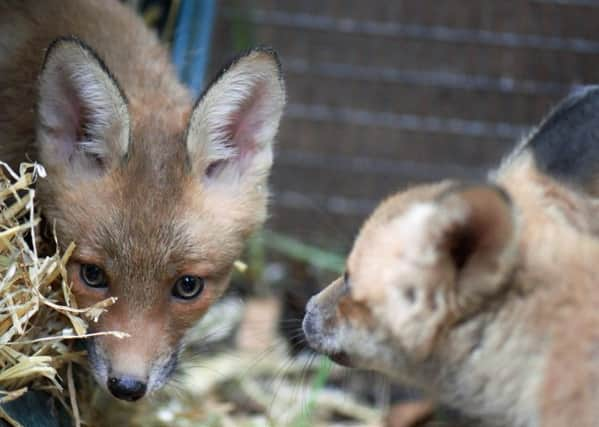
pixel 246 123
pixel 63 112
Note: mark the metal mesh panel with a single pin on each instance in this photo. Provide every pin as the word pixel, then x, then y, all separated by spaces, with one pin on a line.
pixel 387 93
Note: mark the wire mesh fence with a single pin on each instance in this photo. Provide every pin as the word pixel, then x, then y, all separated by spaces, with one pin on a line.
pixel 382 94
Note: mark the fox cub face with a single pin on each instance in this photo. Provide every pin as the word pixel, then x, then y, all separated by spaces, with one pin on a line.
pixel 158 196
pixel 425 259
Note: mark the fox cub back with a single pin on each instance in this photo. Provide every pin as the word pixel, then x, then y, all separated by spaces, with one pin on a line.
pixel 158 192
pixel 484 294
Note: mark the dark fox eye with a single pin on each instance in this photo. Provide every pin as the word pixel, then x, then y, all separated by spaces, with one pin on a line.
pixel 188 287
pixel 93 276
pixel 410 294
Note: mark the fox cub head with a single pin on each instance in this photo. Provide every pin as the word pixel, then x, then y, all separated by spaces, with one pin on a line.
pixel 425 259
pixel 157 194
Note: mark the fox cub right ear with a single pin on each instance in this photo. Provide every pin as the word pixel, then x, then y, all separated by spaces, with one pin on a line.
pixel 83 121
pixel 476 231
pixel 233 125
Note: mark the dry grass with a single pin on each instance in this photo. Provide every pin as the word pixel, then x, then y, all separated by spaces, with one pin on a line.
pixel 39 319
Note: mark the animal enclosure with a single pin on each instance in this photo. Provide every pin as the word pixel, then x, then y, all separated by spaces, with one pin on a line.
pixel 380 95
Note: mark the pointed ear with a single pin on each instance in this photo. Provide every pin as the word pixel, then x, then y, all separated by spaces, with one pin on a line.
pixel 232 127
pixel 564 146
pixel 478 233
pixel 83 121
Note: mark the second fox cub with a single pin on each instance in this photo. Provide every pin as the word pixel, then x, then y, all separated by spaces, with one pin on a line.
pixel 158 193
pixel 486 294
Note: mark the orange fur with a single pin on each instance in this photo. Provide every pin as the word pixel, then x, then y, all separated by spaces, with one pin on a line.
pixel 149 186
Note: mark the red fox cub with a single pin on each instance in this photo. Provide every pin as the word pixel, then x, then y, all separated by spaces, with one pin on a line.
pixel 158 193
pixel 484 294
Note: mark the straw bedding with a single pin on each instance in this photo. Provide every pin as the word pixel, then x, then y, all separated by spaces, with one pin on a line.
pixel 39 319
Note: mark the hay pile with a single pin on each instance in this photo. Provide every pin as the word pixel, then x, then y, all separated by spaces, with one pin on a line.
pixel 39 319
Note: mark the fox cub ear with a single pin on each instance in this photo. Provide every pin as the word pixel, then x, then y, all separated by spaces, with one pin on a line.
pixel 565 145
pixel 478 234
pixel 233 125
pixel 83 122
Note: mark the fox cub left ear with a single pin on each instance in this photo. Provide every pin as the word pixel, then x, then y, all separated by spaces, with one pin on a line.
pixel 477 232
pixel 233 125
pixel 83 121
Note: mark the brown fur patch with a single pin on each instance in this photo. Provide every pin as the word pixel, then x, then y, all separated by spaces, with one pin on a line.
pixel 354 311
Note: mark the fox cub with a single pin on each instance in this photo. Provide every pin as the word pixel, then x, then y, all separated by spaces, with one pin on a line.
pixel 159 193
pixel 484 294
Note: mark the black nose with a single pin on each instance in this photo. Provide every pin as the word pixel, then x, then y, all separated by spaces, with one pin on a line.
pixel 126 388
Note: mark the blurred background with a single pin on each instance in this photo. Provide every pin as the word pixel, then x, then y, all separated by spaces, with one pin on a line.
pixel 386 93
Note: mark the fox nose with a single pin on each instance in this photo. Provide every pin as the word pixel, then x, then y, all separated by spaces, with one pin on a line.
pixel 126 388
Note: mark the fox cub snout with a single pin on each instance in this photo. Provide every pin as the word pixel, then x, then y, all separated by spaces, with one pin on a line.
pixel 158 193
pixel 484 294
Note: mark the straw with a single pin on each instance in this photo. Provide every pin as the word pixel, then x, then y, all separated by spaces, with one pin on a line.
pixel 39 318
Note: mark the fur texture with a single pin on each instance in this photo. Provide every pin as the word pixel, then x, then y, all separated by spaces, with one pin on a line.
pixel 150 186
pixel 482 294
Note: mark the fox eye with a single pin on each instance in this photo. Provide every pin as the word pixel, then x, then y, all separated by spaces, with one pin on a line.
pixel 93 276
pixel 188 287
pixel 410 294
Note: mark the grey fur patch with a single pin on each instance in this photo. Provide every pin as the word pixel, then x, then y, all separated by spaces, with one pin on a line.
pixel 566 144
